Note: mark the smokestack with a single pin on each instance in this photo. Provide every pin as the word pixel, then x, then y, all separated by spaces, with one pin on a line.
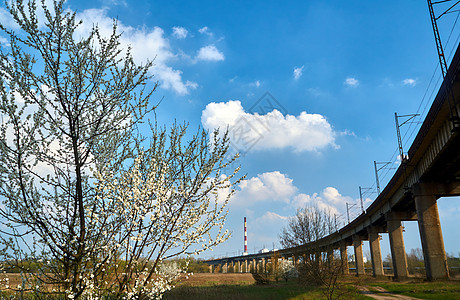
pixel 245 238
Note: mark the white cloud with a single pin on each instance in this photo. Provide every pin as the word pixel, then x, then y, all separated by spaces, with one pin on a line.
pixel 116 2
pixel 6 19
pixel 180 32
pixel 409 81
pixel 210 53
pixel 205 30
pixel 255 83
pixel 298 72
pixel 352 82
pixel 329 199
pixel 271 216
pixel 269 198
pixel 146 44
pixel 191 84
pixel 231 80
pixel 305 132
pixel 4 41
pixel 268 186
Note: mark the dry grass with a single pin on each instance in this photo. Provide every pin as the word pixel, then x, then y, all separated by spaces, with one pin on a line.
pixel 14 279
pixel 208 279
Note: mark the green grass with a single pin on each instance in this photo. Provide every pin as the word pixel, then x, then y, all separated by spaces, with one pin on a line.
pixel 424 290
pixel 281 290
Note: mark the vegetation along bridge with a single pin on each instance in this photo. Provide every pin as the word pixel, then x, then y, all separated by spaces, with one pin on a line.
pixel 430 170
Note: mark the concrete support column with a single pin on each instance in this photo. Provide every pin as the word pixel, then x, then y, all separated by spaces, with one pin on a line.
pixel 263 265
pixel 429 226
pixel 233 266
pixel 398 251
pixel 344 258
pixel 330 255
pixel 239 266
pixel 376 255
pixel 359 258
pixel 225 268
pixel 210 268
pixel 318 258
pixel 254 266
pixel 246 266
pixel 275 262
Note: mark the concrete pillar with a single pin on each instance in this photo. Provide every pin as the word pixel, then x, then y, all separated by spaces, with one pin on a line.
pixel 246 266
pixel 210 268
pixel 330 255
pixel 233 266
pixel 376 255
pixel 398 251
pixel 429 226
pixel 275 262
pixel 262 267
pixel 344 258
pixel 254 265
pixel 318 257
pixel 225 268
pixel 359 258
pixel 239 265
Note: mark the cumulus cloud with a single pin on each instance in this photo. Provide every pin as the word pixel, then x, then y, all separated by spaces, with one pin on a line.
pixel 268 200
pixel 146 44
pixel 305 132
pixel 351 82
pixel 268 186
pixel 409 82
pixel 329 199
pixel 210 53
pixel 180 32
pixel 276 187
pixel 298 72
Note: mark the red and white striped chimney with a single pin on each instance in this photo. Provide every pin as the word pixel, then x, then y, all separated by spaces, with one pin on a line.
pixel 245 239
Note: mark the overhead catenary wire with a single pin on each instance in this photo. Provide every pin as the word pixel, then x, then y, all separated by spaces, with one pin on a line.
pixel 425 102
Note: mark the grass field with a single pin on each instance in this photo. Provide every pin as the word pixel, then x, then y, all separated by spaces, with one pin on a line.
pixel 423 290
pixel 242 286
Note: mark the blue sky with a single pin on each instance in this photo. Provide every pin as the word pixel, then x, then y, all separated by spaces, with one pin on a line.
pixel 338 70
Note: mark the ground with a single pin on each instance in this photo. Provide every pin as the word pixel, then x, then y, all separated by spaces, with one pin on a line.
pixel 380 293
pixel 242 286
pixel 202 286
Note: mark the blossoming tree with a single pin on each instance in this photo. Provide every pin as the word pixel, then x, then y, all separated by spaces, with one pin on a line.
pixel 89 206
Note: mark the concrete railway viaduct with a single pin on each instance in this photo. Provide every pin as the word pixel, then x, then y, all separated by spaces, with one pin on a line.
pixel 431 171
